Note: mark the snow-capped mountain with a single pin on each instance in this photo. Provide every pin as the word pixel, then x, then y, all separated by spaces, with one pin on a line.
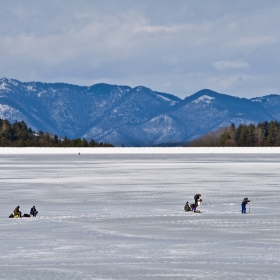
pixel 127 116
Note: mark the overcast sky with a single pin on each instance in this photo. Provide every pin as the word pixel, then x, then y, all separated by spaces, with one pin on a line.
pixel 173 46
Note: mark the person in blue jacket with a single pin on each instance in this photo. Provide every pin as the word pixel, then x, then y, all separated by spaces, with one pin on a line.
pixel 33 211
pixel 243 205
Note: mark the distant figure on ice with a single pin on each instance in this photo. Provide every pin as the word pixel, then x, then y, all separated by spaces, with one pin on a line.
pixel 17 213
pixel 33 211
pixel 243 205
pixel 197 202
pixel 187 208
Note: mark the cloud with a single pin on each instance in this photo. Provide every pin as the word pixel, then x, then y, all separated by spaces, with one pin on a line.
pixel 256 41
pixel 231 81
pixel 230 64
pixel 165 47
pixel 138 28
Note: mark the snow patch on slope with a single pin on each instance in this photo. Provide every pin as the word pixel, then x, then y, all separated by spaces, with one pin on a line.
pixel 40 93
pixel 30 88
pixel 7 112
pixel 4 86
pixel 161 119
pixel 204 98
pixel 166 99
pixel 163 97
pixel 257 99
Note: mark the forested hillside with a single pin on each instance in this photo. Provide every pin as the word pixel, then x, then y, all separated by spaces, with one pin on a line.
pixel 263 134
pixel 19 135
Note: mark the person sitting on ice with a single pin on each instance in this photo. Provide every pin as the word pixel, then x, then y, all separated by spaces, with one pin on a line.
pixel 187 208
pixel 33 211
pixel 243 205
pixel 17 213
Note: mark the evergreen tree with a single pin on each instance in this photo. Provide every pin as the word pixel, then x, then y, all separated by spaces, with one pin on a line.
pixel 224 138
pixel 271 134
pixel 264 134
pixel 250 135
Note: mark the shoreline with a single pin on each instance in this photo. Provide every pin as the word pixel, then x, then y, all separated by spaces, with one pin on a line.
pixel 142 150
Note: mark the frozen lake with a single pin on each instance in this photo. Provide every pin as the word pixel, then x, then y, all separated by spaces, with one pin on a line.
pixel 120 216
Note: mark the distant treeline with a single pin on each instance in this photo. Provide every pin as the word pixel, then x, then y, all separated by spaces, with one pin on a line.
pixel 19 135
pixel 264 134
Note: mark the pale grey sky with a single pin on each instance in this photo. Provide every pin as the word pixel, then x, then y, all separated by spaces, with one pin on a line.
pixel 178 47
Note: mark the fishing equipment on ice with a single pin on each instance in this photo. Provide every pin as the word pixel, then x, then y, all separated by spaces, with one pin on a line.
pixel 187 208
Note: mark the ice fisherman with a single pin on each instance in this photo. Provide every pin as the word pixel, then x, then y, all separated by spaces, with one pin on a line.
pixel 197 201
pixel 33 211
pixel 243 205
pixel 187 208
pixel 17 213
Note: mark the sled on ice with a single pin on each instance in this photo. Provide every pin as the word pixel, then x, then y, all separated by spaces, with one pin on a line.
pixel 18 216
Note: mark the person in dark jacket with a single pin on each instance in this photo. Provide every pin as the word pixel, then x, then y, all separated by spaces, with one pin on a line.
pixel 196 198
pixel 33 211
pixel 17 213
pixel 243 205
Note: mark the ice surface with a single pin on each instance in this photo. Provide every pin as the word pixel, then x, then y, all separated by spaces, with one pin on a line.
pixel 119 215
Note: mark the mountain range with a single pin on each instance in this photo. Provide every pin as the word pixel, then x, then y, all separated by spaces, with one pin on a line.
pixel 127 116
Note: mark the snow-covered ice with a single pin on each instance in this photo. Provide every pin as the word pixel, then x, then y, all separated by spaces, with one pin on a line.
pixel 118 214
